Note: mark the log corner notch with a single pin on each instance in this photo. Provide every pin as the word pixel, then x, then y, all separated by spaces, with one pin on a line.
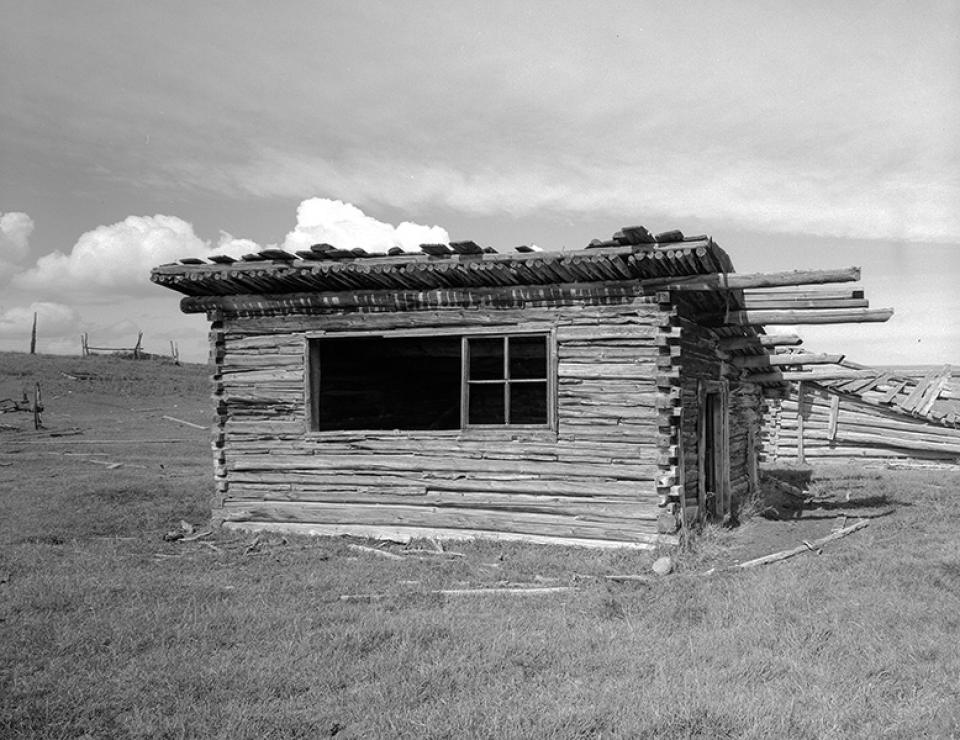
pixel 670 479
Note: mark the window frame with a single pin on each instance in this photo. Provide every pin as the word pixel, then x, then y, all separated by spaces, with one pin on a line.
pixel 466 383
pixel 312 368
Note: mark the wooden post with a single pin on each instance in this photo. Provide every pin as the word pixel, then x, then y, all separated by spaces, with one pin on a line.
pixel 725 450
pixel 834 417
pixel 753 477
pixel 800 457
pixel 37 406
pixel 33 335
pixel 136 348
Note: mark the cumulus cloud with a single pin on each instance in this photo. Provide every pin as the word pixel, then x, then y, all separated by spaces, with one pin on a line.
pixel 234 246
pixel 15 230
pixel 53 320
pixel 113 260
pixel 346 226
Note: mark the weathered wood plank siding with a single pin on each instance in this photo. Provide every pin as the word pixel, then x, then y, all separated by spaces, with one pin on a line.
pixel 841 428
pixel 592 479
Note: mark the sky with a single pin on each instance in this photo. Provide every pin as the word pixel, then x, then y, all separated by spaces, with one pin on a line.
pixel 798 134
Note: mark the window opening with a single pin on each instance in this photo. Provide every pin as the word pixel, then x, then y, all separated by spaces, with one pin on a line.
pixel 429 382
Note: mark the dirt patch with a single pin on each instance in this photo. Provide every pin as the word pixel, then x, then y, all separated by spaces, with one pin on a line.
pixel 779 518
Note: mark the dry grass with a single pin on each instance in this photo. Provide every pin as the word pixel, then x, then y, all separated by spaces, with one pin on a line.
pixel 111 632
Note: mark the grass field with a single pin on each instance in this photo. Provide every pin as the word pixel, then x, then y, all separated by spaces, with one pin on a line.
pixel 110 631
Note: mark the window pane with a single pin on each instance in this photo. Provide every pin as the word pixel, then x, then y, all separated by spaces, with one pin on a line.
pixel 528 403
pixel 486 358
pixel 486 403
pixel 528 357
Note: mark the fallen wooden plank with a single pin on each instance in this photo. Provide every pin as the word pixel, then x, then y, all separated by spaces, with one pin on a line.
pixel 490 591
pixel 185 423
pixel 629 578
pixel 375 551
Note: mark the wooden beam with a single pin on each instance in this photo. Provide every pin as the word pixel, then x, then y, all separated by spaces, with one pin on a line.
pixel 836 316
pixel 834 417
pixel 919 389
pixel 804 293
pixel 805 303
pixel 893 389
pixel 799 358
pixel 800 390
pixel 729 344
pixel 779 376
pixel 733 281
pixel 400 300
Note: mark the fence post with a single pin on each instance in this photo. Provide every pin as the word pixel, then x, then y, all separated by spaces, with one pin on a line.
pixel 33 335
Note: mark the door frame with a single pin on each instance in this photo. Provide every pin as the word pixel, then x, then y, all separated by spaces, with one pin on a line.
pixel 720 444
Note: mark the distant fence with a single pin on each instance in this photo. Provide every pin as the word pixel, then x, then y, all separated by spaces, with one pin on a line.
pixel 136 352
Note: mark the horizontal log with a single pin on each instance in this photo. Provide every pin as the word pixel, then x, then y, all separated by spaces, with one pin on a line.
pixel 272 341
pixel 414 442
pixel 831 293
pixel 451 319
pixel 642 541
pixel 793 304
pixel 600 355
pixel 894 429
pixel 812 316
pixel 729 344
pixel 426 463
pixel 625 529
pixel 721 281
pixel 882 440
pixel 405 300
pixel 606 370
pixel 813 375
pixel 592 333
pixel 797 358
pixel 588 509
pixel 414 482
pixel 245 361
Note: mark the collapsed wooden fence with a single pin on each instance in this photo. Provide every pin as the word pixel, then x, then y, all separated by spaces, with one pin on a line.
pixel 855 412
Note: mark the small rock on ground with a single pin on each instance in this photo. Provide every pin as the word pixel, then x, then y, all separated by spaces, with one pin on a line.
pixel 663 566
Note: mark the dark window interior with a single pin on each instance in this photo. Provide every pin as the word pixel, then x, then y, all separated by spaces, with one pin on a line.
pixel 377 383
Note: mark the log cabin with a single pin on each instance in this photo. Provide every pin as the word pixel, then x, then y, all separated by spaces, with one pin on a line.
pixel 605 396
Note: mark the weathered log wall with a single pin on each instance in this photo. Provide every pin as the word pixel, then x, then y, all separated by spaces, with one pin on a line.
pixel 812 423
pixel 593 479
